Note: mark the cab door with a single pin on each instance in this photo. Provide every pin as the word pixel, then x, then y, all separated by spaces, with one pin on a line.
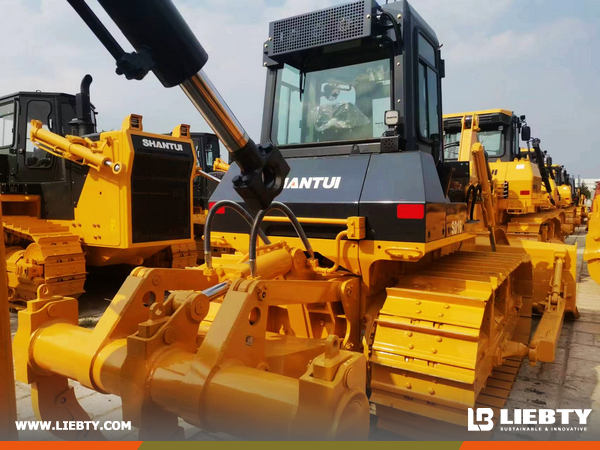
pixel 35 165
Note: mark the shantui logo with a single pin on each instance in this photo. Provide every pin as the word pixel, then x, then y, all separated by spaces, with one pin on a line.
pixel 163 145
pixel 313 183
pixel 528 419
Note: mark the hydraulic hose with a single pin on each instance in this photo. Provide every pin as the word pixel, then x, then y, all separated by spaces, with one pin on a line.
pixel 208 226
pixel 397 31
pixel 256 231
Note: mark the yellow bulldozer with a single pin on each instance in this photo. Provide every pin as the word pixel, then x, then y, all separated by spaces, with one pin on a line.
pixel 567 198
pixel 62 195
pixel 74 198
pixel 526 196
pixel 592 243
pixel 354 283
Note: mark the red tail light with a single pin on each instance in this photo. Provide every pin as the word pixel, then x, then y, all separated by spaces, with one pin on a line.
pixel 220 211
pixel 525 192
pixel 411 211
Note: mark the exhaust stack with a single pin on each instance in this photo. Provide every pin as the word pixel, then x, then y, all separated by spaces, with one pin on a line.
pixel 83 124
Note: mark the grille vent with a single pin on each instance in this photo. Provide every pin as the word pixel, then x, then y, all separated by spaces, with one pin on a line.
pixel 332 25
pixel 160 197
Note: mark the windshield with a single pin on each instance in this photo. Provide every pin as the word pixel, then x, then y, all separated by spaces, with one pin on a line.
pixel 340 104
pixel 492 141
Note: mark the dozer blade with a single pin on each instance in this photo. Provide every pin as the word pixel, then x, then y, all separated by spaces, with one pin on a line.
pixel 444 333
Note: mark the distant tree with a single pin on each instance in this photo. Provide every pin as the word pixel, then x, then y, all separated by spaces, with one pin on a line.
pixel 585 190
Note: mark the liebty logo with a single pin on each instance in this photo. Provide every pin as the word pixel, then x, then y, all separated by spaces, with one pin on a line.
pixel 481 419
pixel 483 415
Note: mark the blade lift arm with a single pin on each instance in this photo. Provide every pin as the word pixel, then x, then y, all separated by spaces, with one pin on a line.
pixel 79 150
pixel 480 176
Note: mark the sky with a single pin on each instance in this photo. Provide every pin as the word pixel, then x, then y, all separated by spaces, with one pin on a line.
pixel 535 57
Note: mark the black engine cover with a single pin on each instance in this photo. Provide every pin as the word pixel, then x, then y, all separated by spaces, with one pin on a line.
pixel 376 187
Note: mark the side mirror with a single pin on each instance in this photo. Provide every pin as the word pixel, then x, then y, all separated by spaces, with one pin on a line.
pixel 526 133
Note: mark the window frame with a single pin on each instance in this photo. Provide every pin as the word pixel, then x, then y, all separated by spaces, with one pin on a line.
pixel 421 60
pixel 14 134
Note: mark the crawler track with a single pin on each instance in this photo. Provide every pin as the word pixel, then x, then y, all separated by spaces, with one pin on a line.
pixel 447 339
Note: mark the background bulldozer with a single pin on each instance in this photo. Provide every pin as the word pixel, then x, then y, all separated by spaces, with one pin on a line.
pixel 74 198
pixel 364 283
pixel 528 206
pixel 567 197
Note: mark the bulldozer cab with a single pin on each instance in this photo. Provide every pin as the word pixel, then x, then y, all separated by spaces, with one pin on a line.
pixel 500 135
pixel 331 84
pixel 353 102
pixel 207 151
pixel 558 175
pixel 23 166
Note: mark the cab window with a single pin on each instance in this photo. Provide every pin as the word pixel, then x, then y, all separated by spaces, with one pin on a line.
pixel 344 103
pixel 429 119
pixel 493 141
pixel 7 124
pixel 209 152
pixel 68 113
pixel 38 110
pixel 451 146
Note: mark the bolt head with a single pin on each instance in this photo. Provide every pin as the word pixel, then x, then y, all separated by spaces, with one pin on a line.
pixel 199 308
pixel 52 311
pixel 169 335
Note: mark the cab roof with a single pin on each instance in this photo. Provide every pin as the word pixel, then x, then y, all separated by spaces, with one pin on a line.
pixel 480 113
pixel 36 93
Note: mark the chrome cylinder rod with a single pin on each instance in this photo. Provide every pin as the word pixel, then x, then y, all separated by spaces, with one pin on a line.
pixel 205 97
